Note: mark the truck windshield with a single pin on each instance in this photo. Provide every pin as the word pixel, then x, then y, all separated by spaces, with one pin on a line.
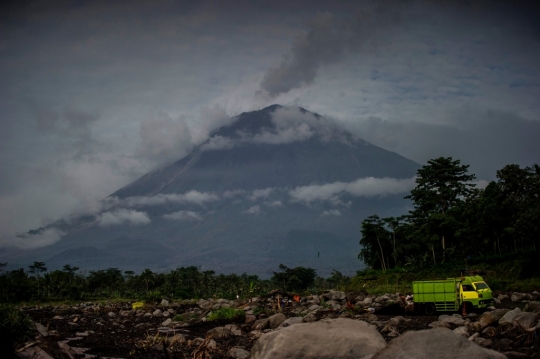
pixel 481 285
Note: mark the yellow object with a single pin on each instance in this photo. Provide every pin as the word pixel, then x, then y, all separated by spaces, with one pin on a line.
pixel 137 305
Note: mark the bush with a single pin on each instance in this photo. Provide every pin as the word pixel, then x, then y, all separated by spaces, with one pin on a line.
pixel 226 313
pixel 15 328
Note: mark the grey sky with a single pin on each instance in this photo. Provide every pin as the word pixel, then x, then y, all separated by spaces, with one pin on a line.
pixel 94 94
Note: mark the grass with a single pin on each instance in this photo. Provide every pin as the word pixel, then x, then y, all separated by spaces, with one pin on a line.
pixel 226 313
pixel 184 317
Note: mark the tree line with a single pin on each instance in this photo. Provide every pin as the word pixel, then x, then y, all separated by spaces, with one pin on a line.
pixel 452 219
pixel 69 283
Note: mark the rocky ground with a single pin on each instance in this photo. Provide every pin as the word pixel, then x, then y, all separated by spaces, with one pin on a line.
pixel 182 329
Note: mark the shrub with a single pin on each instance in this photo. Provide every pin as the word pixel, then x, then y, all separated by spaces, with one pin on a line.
pixel 15 329
pixel 226 313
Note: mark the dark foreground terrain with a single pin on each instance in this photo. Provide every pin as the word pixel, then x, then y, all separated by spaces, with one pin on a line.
pixel 182 330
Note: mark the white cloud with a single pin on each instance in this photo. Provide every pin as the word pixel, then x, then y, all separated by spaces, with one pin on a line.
pixel 274 204
pixel 332 212
pixel 183 216
pixel 30 241
pixel 253 210
pixel 233 193
pixel 123 216
pixel 192 196
pixel 362 187
pixel 261 193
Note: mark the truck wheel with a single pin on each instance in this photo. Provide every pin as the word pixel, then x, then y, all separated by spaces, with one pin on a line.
pixel 430 309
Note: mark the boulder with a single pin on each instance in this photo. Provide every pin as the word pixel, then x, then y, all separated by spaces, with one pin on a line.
pixel 220 333
pixel 533 306
pixel 157 312
pixel 237 353
pixel 509 316
pixel 164 302
pixel 434 343
pixel 518 297
pixel 525 320
pixel 166 323
pixel 260 324
pixel 440 325
pixel 291 321
pixel 489 318
pixel 463 331
pixel 329 338
pixel 455 319
pixel 41 329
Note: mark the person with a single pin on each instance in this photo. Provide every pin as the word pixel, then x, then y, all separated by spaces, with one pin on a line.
pixel 409 301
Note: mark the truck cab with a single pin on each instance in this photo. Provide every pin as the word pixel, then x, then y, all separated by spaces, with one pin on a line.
pixel 474 292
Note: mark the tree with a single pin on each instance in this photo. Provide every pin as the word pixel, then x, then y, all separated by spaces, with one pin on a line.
pixel 441 187
pixel 294 279
pixel 375 243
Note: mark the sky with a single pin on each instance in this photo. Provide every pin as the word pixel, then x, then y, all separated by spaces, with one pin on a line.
pixel 94 94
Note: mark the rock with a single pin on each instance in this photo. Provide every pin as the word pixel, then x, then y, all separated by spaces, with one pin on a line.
pixel 291 321
pixel 502 344
pixel 237 353
pixel 220 333
pixel 166 314
pixel 337 295
pixel 483 342
pixel 455 319
pixel 367 302
pixel 533 306
pixel 260 324
pixel 329 338
pixel 310 318
pixel 518 297
pixel 250 318
pixel 489 318
pixel 83 334
pixel 111 314
pixel 509 316
pixel 369 317
pixel 502 297
pixel 434 343
pixel 157 312
pixel 33 353
pixel 440 325
pixel 513 354
pixel 392 324
pixel 166 323
pixel 463 331
pixel 474 336
pixel 525 320
pixel 314 307
pixel 477 326
pixel 67 350
pixel 41 329
pixel 164 302
pixel 177 339
pixel 275 320
pixel 490 331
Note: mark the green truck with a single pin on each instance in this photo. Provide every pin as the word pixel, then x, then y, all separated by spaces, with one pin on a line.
pixel 452 294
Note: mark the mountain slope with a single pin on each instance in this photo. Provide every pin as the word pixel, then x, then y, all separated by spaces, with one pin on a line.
pixel 278 185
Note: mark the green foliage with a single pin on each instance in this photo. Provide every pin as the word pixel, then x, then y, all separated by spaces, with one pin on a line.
pixel 226 313
pixel 185 317
pixel 452 220
pixel 294 279
pixel 15 328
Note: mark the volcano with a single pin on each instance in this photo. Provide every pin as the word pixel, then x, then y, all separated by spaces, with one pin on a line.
pixel 281 185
